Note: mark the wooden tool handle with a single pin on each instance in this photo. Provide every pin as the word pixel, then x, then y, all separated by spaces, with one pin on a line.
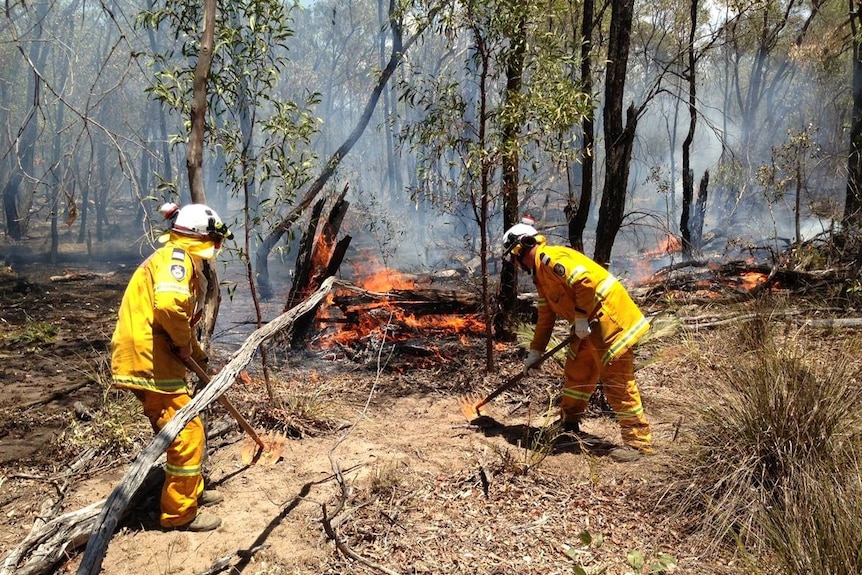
pixel 519 376
pixel 204 377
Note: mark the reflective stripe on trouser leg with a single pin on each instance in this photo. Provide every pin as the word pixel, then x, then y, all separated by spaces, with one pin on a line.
pixel 623 395
pixel 582 374
pixel 183 480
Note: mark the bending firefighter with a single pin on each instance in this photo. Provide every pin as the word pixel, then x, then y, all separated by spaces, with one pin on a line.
pixel 153 335
pixel 605 320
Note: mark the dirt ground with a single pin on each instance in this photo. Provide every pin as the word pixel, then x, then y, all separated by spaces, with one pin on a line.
pixel 423 491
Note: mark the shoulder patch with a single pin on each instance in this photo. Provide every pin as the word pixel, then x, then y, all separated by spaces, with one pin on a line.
pixel 178 271
pixel 560 270
pixel 178 254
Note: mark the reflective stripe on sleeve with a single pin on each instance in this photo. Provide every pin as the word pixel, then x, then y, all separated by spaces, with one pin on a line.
pixel 577 272
pixel 624 341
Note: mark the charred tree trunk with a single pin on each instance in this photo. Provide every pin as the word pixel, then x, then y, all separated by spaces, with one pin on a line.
pixel 317 260
pixel 511 159
pixel 688 246
pixel 578 214
pixel 618 140
pixel 699 213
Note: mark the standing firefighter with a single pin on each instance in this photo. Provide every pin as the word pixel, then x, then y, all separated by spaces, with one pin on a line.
pixel 154 334
pixel 605 320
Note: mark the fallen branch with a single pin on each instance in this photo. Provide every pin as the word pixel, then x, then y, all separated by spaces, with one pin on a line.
pixel 49 542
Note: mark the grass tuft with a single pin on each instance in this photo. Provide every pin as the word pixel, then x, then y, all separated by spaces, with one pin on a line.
pixel 774 465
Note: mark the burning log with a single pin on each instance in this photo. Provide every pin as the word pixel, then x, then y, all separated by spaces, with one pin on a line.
pixel 399 318
pixel 417 301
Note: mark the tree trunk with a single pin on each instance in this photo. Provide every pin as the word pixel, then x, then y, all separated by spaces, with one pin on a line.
pixel 578 214
pixel 194 161
pixel 699 213
pixel 687 172
pixel 853 196
pixel 511 171
pixel 618 140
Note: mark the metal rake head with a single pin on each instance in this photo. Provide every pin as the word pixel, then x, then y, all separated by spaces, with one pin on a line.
pixel 269 454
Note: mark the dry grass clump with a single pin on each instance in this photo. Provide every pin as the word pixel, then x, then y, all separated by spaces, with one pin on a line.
pixel 777 435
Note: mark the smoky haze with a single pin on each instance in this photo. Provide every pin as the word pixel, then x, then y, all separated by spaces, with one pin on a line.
pixel 770 128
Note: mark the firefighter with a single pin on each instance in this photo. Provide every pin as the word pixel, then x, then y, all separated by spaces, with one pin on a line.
pixel 153 335
pixel 605 320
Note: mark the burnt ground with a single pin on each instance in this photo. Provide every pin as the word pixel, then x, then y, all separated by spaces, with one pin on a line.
pixel 423 491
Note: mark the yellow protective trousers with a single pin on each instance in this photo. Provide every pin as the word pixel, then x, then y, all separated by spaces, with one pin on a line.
pixel 584 369
pixel 183 480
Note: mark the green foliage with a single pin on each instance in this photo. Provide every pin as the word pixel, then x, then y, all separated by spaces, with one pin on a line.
pixel 262 137
pixel 33 335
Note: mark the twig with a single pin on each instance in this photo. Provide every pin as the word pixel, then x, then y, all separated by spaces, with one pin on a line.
pixel 347 551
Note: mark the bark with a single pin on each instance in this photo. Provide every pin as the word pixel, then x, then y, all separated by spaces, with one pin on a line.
pixel 194 161
pixel 699 213
pixel 687 172
pixel 314 269
pixel 618 139
pixel 511 170
pixel 50 542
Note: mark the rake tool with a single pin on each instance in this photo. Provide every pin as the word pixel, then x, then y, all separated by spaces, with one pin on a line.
pixel 470 404
pixel 258 451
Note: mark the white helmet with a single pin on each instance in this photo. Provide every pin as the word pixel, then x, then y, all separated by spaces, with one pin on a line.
pixel 512 238
pixel 196 220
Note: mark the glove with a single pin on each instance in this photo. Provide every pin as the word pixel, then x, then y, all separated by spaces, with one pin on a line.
pixel 582 328
pixel 532 359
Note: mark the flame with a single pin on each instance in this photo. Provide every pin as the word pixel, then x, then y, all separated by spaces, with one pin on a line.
pixel 669 244
pixel 387 280
pixel 384 319
pixel 750 280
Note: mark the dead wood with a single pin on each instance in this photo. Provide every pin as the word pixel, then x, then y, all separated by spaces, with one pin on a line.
pixel 302 265
pixel 50 542
pixel 320 262
pixel 78 276
pixel 118 501
pixel 419 301
pixel 55 395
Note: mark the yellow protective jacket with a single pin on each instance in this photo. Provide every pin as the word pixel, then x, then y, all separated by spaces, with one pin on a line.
pixel 155 318
pixel 570 285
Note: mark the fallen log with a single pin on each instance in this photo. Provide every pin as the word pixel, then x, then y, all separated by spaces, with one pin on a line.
pixel 418 301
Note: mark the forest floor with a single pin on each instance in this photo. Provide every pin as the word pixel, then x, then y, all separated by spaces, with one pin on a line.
pixel 423 490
